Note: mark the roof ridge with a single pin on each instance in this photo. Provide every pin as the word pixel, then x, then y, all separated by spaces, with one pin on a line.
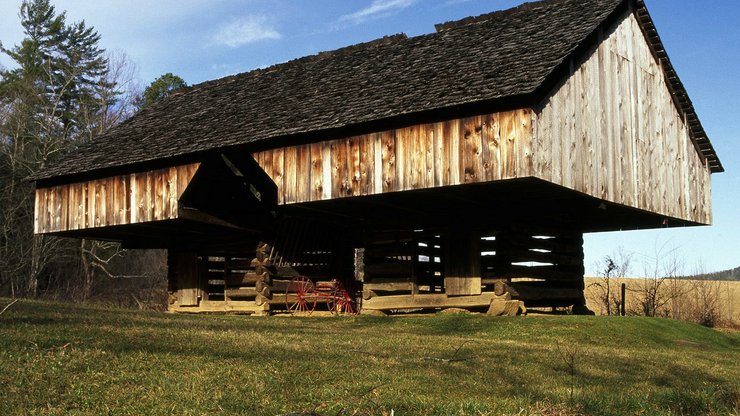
pixel 470 20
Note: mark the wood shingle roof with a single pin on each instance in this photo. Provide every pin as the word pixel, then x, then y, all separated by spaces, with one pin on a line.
pixel 508 56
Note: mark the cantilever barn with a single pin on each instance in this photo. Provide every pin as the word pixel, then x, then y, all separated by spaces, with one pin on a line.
pixel 451 169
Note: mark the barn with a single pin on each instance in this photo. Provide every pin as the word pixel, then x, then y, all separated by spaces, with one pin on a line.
pixel 459 168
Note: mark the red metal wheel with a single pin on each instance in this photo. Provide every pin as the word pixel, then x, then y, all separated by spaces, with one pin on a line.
pixel 331 298
pixel 345 303
pixel 342 302
pixel 325 294
pixel 300 295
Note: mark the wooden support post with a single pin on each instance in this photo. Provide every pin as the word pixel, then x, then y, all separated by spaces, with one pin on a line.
pixel 462 264
pixel 502 260
pixel 623 300
pixel 360 264
pixel 184 270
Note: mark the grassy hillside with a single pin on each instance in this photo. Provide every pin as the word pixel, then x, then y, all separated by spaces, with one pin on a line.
pixel 69 359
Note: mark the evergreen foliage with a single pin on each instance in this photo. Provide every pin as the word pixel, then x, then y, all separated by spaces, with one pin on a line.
pixel 160 89
pixel 58 95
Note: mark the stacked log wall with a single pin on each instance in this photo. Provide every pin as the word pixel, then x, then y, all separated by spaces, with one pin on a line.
pixel 542 269
pixel 402 262
pixel 238 283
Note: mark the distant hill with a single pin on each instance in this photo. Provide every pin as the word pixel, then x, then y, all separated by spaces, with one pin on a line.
pixel 732 274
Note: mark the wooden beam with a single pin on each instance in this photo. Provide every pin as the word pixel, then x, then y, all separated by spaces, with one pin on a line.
pixel 462 263
pixel 435 300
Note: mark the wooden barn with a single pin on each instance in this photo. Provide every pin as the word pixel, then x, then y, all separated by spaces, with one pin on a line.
pixel 459 168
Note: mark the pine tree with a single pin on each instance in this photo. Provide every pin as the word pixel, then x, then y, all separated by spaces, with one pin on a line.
pixel 39 51
pixel 59 92
pixel 81 77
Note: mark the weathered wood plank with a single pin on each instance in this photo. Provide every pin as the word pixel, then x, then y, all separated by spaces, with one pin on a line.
pixel 454 161
pixel 186 273
pixel 278 169
pixel 303 174
pixel 291 172
pixel 426 139
pixel 616 133
pixel 365 184
pixel 338 168
pixel 508 127
pixel 404 146
pixel 158 195
pixel 462 268
pixel 353 166
pixel 422 156
pixel 316 172
pixel 427 301
pixel 36 211
pixel 471 142
pixel 524 147
pixel 114 200
pixel 388 156
pixel 438 130
pixel 326 171
pixel 247 307
pixel 64 207
pixel 378 181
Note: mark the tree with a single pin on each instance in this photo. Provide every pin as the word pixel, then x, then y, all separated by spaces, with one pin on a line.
pixel 613 266
pixel 81 79
pixel 661 284
pixel 160 89
pixel 60 94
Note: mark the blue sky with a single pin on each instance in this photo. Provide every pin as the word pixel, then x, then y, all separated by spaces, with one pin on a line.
pixel 207 39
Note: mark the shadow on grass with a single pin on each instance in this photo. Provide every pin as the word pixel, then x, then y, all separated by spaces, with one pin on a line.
pixel 627 365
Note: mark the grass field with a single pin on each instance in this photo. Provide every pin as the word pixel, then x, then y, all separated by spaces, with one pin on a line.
pixel 71 359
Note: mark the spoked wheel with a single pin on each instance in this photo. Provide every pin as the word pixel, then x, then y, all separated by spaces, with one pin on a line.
pixel 341 302
pixel 300 296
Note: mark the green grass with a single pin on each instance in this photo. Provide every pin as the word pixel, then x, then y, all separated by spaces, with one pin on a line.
pixel 72 359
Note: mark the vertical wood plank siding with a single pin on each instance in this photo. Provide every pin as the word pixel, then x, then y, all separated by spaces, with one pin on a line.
pixel 118 200
pixel 475 149
pixel 611 130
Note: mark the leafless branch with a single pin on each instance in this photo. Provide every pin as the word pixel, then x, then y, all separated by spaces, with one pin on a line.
pixel 8 306
pixel 452 359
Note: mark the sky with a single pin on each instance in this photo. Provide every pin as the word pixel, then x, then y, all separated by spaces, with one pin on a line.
pixel 202 40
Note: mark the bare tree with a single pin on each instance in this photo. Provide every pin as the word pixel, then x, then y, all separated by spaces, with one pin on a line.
pixel 114 102
pixel 616 265
pixel 64 92
pixel 661 284
pixel 708 295
pixel 129 278
pixel 28 138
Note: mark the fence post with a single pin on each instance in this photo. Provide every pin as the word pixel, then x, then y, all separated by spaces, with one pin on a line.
pixel 624 300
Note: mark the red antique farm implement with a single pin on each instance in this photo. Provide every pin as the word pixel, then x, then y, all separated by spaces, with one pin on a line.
pixel 302 295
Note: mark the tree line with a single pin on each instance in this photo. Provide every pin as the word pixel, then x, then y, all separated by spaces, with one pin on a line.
pixel 65 90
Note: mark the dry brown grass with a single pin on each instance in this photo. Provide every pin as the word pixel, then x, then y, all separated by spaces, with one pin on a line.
pixel 691 298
